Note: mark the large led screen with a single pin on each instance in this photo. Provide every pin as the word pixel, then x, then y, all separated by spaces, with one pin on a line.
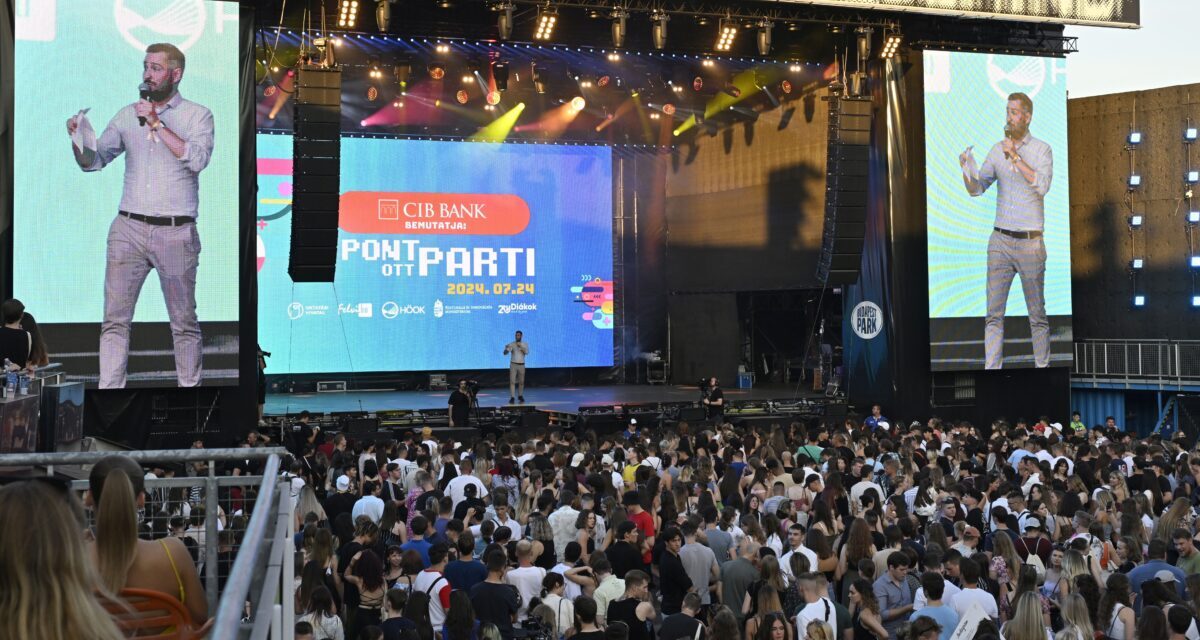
pixel 997 211
pixel 445 250
pixel 125 187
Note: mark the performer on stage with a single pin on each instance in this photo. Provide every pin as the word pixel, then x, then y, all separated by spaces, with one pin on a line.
pixel 167 142
pixel 516 352
pixel 714 400
pixel 460 405
pixel 1023 167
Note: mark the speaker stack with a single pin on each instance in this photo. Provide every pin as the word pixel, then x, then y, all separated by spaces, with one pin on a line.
pixel 316 167
pixel 845 190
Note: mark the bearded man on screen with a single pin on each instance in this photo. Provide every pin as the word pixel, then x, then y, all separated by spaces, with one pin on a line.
pixel 1022 167
pixel 167 142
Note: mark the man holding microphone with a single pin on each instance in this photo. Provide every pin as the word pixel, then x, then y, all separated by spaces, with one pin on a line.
pixel 516 352
pixel 167 142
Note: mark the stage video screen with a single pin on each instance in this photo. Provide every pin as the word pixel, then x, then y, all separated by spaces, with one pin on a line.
pixel 125 187
pixel 445 250
pixel 997 210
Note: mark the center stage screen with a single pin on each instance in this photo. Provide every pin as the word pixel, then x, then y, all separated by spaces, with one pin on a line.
pixel 997 211
pixel 445 249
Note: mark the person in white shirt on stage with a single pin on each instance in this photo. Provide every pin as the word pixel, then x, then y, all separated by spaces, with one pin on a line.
pixel 516 352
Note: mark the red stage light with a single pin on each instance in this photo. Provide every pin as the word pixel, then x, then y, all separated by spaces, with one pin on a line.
pixel 786 86
pixel 493 97
pixel 372 93
pixel 462 97
pixel 698 83
pixel 669 109
pixel 603 81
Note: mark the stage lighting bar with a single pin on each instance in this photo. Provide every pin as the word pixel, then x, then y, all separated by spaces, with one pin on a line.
pixel 546 19
pixel 891 44
pixel 348 14
pixel 659 31
pixel 1139 300
pixel 1136 221
pixel 726 34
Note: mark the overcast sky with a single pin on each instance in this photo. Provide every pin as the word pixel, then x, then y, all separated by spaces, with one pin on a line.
pixel 1164 52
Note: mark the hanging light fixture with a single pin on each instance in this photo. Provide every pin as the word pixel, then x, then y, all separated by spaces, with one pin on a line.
pixel 764 37
pixel 658 32
pixel 619 17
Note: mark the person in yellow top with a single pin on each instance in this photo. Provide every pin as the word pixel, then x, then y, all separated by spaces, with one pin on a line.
pixel 632 462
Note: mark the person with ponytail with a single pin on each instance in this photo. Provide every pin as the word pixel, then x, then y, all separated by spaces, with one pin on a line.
pixel 47 586
pixel 116 491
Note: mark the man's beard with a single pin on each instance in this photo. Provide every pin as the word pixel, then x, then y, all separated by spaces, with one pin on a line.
pixel 1015 131
pixel 163 92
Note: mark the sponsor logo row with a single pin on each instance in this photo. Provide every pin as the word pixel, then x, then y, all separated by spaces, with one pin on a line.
pixel 391 310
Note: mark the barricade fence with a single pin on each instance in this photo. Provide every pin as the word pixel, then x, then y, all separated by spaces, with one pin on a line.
pixel 238 528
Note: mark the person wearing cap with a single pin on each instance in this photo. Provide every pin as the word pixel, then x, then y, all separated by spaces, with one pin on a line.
pixel 969 543
pixel 631 432
pixel 607 462
pixel 455 488
pixel 340 502
pixel 1034 542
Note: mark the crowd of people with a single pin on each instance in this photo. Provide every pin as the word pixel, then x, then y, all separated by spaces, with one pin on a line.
pixel 859 531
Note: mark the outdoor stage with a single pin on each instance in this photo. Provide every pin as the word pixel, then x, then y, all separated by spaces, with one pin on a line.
pixel 561 399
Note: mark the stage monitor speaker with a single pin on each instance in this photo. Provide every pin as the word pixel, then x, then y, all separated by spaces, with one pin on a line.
pixel 361 426
pixel 846 183
pixel 316 174
pixel 539 420
pixel 692 414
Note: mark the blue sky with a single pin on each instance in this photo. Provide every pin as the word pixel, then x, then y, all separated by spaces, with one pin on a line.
pixel 1163 53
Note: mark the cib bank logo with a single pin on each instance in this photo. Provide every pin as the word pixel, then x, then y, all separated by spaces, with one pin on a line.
pixel 867 320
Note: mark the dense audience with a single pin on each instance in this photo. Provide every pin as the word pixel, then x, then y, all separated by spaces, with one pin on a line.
pixel 862 531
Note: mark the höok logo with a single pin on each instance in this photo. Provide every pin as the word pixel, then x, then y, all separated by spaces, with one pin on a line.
pixel 867 319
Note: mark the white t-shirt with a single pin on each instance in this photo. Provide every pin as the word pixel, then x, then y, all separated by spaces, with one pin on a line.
pixel 968 597
pixel 785 561
pixel 822 610
pixel 571 590
pixel 425 583
pixel 456 488
pixel 528 581
pixel 919 601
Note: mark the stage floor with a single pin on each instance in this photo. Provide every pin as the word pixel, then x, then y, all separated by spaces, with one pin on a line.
pixel 565 399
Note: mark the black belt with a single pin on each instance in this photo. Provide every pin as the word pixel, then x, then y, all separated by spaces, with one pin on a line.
pixel 160 221
pixel 1019 235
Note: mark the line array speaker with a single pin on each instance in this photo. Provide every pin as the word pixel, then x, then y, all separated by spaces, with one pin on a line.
pixel 316 174
pixel 845 190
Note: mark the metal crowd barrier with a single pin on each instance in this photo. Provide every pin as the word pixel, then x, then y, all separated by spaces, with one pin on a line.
pixel 263 572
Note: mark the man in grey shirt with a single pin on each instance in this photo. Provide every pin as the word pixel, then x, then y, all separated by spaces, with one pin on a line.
pixel 167 142
pixel 1022 166
pixel 699 563
pixel 516 352
pixel 737 576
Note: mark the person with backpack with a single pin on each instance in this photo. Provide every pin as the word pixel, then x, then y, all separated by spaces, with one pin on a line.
pixel 433 585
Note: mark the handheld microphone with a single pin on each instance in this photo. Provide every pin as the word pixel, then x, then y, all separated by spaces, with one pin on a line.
pixel 144 93
pixel 1008 133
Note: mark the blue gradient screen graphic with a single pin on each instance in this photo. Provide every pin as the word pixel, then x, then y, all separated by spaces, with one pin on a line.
pixel 445 249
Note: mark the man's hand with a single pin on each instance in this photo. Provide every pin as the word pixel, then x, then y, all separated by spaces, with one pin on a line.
pixel 145 109
pixel 72 125
pixel 1009 147
pixel 964 156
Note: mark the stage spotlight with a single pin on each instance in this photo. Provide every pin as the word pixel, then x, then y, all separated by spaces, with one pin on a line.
pixel 659 31
pixel 708 62
pixel 668 109
pixel 726 33
pixel 1196 301
pixel 785 87
pixel 764 37
pixel 372 93
pixel 891 43
pixel 1194 217
pixel 546 19
pixel 1192 177
pixel 794 68
pixel 504 23
pixel 1135 181
pixel 1139 300
pixel 619 17
pixel 383 14
pixel 493 97
pixel 1136 264
pixel 1195 262
pixel 1135 138
pixel 578 103
pixel 442 48
pixel 1136 220
pixel 373 70
pixel 500 74
pixel 489 107
pixel 467 78
pixel 437 71
pixel 399 104
pixel 462 97
pixel 1189 134
pixel 402 71
pixel 603 81
pixel 348 14
pixel 614 57
pixel 654 115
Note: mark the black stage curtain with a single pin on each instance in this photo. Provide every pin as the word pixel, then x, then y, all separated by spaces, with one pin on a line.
pixel 6 146
pixel 703 329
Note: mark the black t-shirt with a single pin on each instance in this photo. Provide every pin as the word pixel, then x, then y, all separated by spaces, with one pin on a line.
pixel 345 554
pixel 713 408
pixel 398 628
pixel 496 603
pixel 680 626
pixel 589 635
pixel 460 408
pixel 624 557
pixel 14 345
pixel 626 611
pixel 460 512
pixel 674 582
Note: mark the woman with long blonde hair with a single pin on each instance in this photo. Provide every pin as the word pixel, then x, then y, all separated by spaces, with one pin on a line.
pixel 47 584
pixel 1077 619
pixel 1026 622
pixel 1073 564
pixel 1171 520
pixel 768 604
pixel 308 503
pixel 116 489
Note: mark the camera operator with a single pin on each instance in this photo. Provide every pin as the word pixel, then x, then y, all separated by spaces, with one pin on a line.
pixel 714 400
pixel 460 405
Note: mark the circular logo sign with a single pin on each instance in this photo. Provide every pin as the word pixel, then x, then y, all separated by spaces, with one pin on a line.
pixel 867 320
pixel 179 22
pixel 390 310
pixel 1009 74
pixel 295 311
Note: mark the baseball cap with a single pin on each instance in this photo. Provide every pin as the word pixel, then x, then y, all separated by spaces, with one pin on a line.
pixel 1164 576
pixel 576 459
pixel 607 459
pixel 633 421
pixel 1033 523
pixel 343 483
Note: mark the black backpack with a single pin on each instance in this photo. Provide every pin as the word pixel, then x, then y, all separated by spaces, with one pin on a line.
pixel 418 603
